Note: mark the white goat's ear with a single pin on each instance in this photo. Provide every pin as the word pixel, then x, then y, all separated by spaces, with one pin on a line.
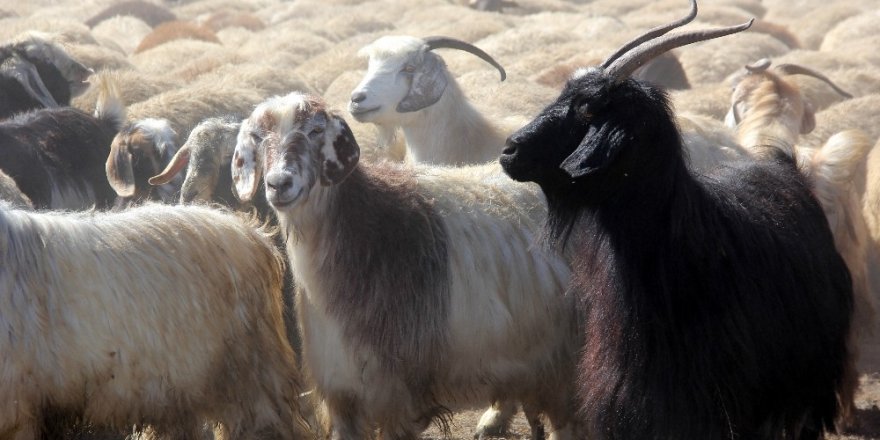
pixel 245 167
pixel 27 75
pixel 428 84
pixel 340 152
pixel 119 170
pixel 808 121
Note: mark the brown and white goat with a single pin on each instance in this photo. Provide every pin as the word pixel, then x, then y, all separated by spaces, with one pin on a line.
pixel 421 291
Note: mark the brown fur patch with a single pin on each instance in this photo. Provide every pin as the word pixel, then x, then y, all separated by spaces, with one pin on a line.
pixel 388 271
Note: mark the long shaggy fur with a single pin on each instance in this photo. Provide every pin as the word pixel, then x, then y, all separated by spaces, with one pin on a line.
pixel 100 322
pixel 420 291
pixel 716 304
pixel 56 156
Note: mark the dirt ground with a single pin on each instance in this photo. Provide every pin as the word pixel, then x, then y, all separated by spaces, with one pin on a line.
pixel 867 426
pixel 868 419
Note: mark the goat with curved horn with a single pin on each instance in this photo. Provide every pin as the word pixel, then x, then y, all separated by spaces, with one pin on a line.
pixel 651 34
pixel 794 69
pixel 440 42
pixel 624 66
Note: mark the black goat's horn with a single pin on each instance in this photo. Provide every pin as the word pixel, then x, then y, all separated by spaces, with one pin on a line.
pixel 624 66
pixel 794 69
pixel 439 42
pixel 651 34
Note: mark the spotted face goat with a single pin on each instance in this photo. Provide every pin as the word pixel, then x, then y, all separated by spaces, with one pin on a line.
pixel 420 290
pixel 716 305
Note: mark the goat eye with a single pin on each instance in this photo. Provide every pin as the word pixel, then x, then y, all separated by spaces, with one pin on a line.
pixel 256 138
pixel 317 130
pixel 409 68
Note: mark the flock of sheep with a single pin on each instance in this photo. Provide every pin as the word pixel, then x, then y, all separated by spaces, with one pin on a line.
pixel 343 219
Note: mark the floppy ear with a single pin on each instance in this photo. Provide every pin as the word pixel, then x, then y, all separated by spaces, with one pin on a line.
pixel 27 75
pixel 246 170
pixel 596 151
pixel 119 170
pixel 340 152
pixel 428 84
pixel 808 121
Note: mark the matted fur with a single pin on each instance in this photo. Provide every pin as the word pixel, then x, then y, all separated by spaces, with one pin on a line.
pixel 100 322
pixel 420 290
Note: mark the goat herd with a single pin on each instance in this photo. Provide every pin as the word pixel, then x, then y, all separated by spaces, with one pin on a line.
pixel 682 243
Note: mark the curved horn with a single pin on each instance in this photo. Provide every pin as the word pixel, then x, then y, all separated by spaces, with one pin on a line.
pixel 180 160
pixel 439 42
pixel 626 64
pixel 758 66
pixel 794 69
pixel 651 34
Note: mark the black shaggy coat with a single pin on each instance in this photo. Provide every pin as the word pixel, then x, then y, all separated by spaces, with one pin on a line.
pixel 716 306
pixel 13 96
pixel 60 151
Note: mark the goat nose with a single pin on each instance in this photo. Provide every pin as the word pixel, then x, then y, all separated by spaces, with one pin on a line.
pixel 509 146
pixel 358 97
pixel 279 182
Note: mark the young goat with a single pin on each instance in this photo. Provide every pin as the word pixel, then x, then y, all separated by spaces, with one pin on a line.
pixel 420 290
pixel 717 306
pixel 140 150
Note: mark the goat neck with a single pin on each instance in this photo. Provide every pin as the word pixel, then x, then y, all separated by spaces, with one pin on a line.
pixel 451 132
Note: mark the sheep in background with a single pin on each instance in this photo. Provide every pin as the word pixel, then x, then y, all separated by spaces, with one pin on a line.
pixel 140 150
pixel 56 156
pixel 176 30
pixel 133 86
pixel 125 31
pixel 36 73
pixel 150 13
pixel 704 65
pixel 717 306
pixel 9 192
pixel 395 335
pixel 180 341
pixel 408 86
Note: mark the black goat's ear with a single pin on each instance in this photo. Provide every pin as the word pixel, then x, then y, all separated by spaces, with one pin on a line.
pixel 340 152
pixel 26 74
pixel 596 151
pixel 428 84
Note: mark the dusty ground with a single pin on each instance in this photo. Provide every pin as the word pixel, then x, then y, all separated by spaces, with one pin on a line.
pixel 868 402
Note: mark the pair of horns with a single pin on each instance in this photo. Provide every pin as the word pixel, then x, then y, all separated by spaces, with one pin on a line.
pixel 438 42
pixel 623 62
pixel 793 69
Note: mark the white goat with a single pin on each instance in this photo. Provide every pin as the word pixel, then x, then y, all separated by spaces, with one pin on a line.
pixel 420 287
pixel 408 86
pixel 99 321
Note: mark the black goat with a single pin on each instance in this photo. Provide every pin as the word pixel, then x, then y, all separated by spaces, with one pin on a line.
pixel 56 156
pixel 716 306
pixel 36 73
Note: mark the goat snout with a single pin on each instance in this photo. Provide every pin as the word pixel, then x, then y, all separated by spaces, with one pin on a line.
pixel 279 182
pixel 359 96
